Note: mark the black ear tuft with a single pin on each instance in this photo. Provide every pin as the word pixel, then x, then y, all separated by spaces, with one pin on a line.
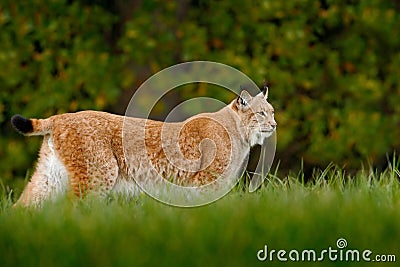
pixel 22 124
pixel 264 89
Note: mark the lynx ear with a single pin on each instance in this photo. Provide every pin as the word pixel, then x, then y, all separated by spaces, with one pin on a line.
pixel 243 99
pixel 265 90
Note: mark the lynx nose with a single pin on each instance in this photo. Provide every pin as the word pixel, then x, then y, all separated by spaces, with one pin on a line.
pixel 273 124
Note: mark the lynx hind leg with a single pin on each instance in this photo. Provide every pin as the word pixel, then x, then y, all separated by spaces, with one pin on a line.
pixel 95 175
pixel 49 180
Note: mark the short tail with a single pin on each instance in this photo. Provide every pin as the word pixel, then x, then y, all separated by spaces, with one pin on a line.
pixel 31 126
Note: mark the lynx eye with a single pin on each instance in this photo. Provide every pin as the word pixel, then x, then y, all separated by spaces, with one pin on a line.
pixel 262 113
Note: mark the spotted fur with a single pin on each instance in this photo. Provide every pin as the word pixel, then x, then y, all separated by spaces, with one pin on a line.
pixel 84 152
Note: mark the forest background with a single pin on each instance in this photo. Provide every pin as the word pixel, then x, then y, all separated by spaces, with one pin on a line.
pixel 333 68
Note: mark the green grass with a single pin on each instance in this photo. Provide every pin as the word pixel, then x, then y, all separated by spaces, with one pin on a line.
pixel 284 214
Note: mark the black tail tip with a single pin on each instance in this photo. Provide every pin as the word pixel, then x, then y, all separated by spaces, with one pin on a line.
pixel 22 124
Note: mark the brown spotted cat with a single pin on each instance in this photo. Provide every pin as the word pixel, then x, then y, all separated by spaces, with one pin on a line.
pixel 84 152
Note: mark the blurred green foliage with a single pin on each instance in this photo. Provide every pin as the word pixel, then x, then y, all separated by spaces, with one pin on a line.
pixel 333 66
pixel 53 59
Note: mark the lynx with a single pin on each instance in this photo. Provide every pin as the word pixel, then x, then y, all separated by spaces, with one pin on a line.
pixel 84 152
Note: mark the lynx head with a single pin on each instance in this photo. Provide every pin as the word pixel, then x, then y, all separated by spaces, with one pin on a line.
pixel 256 114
